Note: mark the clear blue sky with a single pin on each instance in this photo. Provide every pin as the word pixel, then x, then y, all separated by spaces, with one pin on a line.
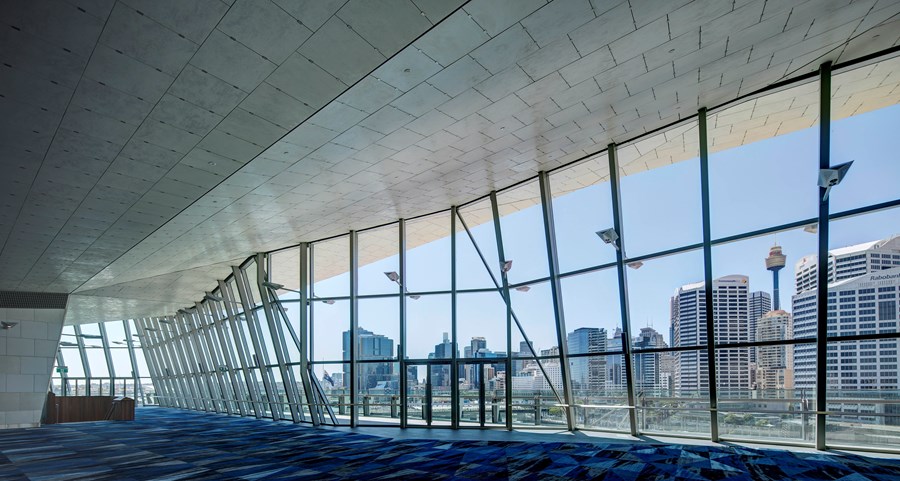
pixel 754 186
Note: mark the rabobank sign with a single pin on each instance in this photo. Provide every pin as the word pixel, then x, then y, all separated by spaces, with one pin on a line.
pixel 883 277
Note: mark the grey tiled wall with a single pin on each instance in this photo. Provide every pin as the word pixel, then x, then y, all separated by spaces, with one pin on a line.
pixel 27 354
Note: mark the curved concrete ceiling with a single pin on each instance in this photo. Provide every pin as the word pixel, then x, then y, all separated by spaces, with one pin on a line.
pixel 148 145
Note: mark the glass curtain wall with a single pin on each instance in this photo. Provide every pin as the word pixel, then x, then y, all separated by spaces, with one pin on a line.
pixel 638 290
pixel 102 360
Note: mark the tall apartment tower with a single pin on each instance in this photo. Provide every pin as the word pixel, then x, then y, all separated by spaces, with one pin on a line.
pixel 731 296
pixel 775 364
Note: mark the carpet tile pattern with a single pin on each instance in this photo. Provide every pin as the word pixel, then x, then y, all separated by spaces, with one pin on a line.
pixel 168 444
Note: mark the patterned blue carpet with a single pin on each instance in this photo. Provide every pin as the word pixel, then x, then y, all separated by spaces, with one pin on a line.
pixel 168 444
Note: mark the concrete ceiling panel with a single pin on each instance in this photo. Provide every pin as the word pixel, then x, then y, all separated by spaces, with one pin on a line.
pixel 265 28
pixel 496 16
pixel 139 37
pixel 272 104
pixel 27 88
pixel 300 78
pixel 127 74
pixel 387 25
pixel 229 60
pixel 194 19
pixel 311 13
pixel 456 36
pixel 460 76
pixel 207 91
pixel 32 54
pixel 339 50
pixel 244 125
pixel 110 102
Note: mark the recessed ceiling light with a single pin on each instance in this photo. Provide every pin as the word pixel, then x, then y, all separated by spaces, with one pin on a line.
pixel 211 163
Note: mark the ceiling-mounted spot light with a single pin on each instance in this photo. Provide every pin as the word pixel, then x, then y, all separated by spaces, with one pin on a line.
pixel 523 288
pixel 635 264
pixel 829 178
pixel 609 236
pixel 8 325
pixel 506 266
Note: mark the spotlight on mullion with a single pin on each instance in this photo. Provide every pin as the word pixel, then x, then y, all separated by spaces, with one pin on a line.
pixel 523 288
pixel 393 276
pixel 609 236
pixel 829 178
pixel 635 265
pixel 506 266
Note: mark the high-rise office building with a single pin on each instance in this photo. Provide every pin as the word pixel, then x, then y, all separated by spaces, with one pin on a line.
pixel 854 307
pixel 371 347
pixel 646 365
pixel 760 303
pixel 588 373
pixel 730 312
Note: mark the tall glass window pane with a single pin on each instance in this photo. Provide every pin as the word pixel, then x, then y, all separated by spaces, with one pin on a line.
pixel 428 253
pixel 471 272
pixel 331 267
pixel 428 328
pixel 763 162
pixel 330 320
pixel 582 206
pixel 284 269
pixel 864 300
pixel 379 258
pixel 522 226
pixel 481 324
pixel 864 117
pixel 661 191
pixel 90 334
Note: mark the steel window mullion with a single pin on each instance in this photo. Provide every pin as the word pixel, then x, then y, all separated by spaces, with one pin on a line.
pixel 221 363
pixel 161 382
pixel 556 293
pixel 173 365
pixel 149 347
pixel 277 339
pixel 354 324
pixel 262 360
pixel 306 334
pixel 401 351
pixel 505 289
pixel 187 375
pixel 201 355
pixel 104 342
pixel 242 349
pixel 203 322
pixel 198 364
pixel 191 371
pixel 135 374
pixel 84 360
pixel 615 193
pixel 63 376
pixel 454 355
pixel 216 321
pixel 822 267
pixel 708 278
